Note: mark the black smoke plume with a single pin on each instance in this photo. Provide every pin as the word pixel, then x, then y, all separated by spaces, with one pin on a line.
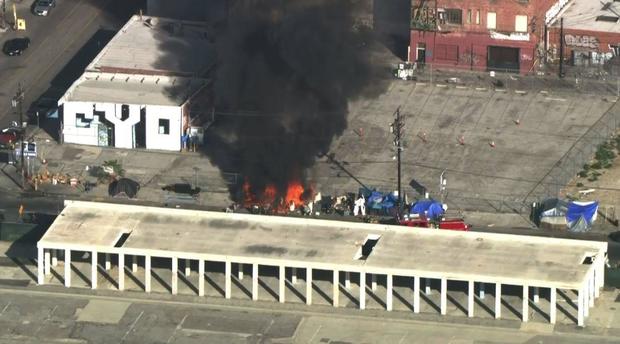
pixel 286 71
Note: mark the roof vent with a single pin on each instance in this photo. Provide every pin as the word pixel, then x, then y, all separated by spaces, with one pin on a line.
pixel 366 248
pixel 611 19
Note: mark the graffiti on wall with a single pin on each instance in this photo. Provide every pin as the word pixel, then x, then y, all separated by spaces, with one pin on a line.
pixel 581 41
pixel 469 58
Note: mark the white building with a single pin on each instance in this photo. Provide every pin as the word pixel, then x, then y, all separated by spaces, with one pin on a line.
pixel 142 89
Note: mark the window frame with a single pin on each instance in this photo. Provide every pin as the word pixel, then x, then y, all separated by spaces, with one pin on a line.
pixel 163 127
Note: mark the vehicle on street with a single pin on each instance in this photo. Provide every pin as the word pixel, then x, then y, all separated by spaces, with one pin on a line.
pixel 7 140
pixel 15 46
pixel 43 7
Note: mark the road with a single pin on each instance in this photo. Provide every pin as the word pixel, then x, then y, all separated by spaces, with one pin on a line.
pixel 55 57
pixel 32 315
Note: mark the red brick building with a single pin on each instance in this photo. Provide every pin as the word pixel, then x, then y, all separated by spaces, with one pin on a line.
pixel 591 33
pixel 480 34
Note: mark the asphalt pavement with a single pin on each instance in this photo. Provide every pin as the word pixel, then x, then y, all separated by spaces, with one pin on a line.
pixel 49 64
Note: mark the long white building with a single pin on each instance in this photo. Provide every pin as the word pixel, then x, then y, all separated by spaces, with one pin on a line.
pixel 342 249
pixel 142 89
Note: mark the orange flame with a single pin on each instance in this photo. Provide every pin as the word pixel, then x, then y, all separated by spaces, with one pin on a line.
pixel 295 193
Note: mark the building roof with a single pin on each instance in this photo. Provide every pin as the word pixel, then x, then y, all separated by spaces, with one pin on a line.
pixel 602 16
pixel 157 46
pixel 321 244
pixel 133 89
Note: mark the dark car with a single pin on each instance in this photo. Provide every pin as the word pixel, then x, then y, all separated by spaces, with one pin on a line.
pixel 16 46
pixel 43 7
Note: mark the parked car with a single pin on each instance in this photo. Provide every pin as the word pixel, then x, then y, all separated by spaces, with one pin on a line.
pixel 7 139
pixel 16 46
pixel 43 7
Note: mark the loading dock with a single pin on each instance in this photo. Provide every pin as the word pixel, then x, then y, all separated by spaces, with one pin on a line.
pixel 290 246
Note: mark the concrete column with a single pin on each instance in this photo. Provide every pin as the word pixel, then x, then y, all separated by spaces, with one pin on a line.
pixel 67 268
pixel 201 277
pixel 535 294
pixel 293 275
pixel 40 267
pixel 336 288
pixel 108 264
pixel 347 280
pixel 282 284
pixel 586 301
pixel 175 275
pixel 591 290
pixel 427 286
pixel 134 263
pixel 48 261
pixel 498 300
pixel 552 305
pixel 240 271
pixel 388 286
pixel 444 296
pixel 54 257
pixel 597 290
pixel 93 270
pixel 470 299
pixel 580 307
pixel 308 286
pixel 121 271
pixel 481 291
pixel 147 274
pixel 362 290
pixel 600 275
pixel 416 294
pixel 373 282
pixel 188 267
pixel 526 298
pixel 254 281
pixel 227 283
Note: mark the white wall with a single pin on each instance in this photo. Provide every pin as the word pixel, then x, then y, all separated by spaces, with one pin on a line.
pixel 73 134
pixel 123 130
pixel 155 140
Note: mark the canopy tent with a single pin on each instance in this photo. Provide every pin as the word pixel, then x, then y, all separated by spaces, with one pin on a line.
pixel 428 207
pixel 123 187
pixel 581 215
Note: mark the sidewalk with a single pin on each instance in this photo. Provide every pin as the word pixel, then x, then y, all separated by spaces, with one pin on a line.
pixel 151 169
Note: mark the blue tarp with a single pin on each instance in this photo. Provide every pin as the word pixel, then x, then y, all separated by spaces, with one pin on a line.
pixel 378 200
pixel 587 210
pixel 429 207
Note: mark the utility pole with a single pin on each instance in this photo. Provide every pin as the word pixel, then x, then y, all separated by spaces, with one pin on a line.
pixel 396 128
pixel 16 103
pixel 561 75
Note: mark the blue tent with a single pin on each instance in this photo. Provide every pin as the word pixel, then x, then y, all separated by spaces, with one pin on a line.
pixel 428 207
pixel 579 214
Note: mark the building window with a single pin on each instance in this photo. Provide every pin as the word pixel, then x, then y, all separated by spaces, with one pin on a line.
pixel 521 23
pixel 124 112
pixel 164 126
pixel 81 121
pixel 453 16
pixel 491 20
pixel 477 17
pixel 468 16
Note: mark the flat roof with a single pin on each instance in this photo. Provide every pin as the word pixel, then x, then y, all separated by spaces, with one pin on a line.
pixel 322 244
pixel 154 45
pixel 131 89
pixel 583 14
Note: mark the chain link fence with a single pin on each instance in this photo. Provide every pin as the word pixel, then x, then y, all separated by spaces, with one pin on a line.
pixel 583 80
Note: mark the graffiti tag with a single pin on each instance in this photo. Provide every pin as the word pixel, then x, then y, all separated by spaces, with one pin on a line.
pixel 581 41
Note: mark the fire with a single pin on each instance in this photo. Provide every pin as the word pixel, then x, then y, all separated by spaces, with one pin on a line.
pixel 294 193
pixel 271 198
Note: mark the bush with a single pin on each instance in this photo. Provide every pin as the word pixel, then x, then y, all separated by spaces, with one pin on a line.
pixel 579 185
pixel 586 167
pixel 604 152
pixel 582 174
pixel 592 178
pixel 597 165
